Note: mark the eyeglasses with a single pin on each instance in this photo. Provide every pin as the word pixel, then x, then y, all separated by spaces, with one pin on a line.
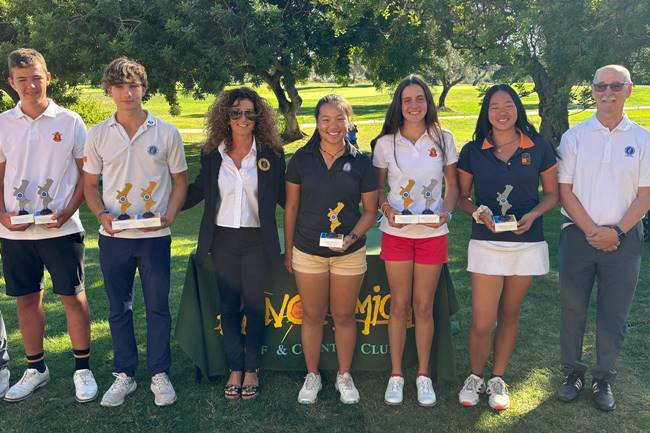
pixel 236 113
pixel 615 86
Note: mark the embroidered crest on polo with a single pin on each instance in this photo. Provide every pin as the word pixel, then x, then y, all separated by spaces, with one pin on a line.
pixel 347 167
pixel 629 151
pixel 526 159
pixel 150 122
pixel 432 152
pixel 152 150
pixel 264 164
pixel 57 137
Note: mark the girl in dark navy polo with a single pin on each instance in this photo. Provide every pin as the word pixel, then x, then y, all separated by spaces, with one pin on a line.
pixel 326 180
pixel 503 165
pixel 242 182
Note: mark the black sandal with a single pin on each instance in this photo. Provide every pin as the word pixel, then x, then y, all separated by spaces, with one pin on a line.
pixel 232 391
pixel 249 392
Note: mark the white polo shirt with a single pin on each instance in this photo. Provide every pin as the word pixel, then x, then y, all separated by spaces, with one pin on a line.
pixel 238 191
pixel 419 165
pixel 152 155
pixel 605 167
pixel 34 151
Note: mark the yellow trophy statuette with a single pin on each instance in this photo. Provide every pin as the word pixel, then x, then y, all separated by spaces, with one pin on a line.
pixel 333 239
pixel 147 197
pixel 407 216
pixel 123 199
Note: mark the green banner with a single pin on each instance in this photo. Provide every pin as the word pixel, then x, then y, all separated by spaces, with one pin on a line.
pixel 198 328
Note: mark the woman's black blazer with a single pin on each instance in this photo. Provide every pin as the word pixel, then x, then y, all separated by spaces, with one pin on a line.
pixel 270 192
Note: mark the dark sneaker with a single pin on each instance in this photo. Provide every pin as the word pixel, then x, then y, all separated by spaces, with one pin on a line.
pixel 571 387
pixel 603 395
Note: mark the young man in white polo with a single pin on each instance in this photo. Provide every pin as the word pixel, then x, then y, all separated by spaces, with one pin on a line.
pixel 41 150
pixel 138 156
pixel 604 177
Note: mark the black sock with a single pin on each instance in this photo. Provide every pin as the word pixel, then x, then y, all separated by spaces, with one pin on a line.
pixel 81 359
pixel 496 375
pixel 37 361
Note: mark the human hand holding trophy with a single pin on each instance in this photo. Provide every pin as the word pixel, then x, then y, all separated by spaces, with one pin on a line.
pixel 504 222
pixel 333 239
pixel 146 219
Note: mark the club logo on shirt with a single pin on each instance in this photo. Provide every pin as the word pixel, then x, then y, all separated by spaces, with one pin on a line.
pixel 152 150
pixel 629 151
pixel 264 164
pixel 526 159
pixel 432 152
pixel 347 167
pixel 57 137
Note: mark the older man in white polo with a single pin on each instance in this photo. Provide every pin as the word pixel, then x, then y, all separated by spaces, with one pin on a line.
pixel 604 176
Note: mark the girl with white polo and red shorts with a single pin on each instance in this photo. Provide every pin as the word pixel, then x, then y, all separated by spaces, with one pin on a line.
pixel 415 156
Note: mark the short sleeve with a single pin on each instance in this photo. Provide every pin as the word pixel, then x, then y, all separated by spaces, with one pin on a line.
pixel 92 160
pixel 293 170
pixel 369 178
pixel 176 157
pixel 549 160
pixel 450 148
pixel 568 158
pixel 79 139
pixel 379 159
pixel 464 163
pixel 644 163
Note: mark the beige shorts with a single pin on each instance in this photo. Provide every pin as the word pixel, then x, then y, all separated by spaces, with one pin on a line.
pixel 349 264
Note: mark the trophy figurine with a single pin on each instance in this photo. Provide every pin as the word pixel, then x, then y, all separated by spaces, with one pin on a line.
pixel 407 216
pixel 504 222
pixel 333 239
pixel 23 217
pixel 428 216
pixel 123 198
pixel 146 195
pixel 43 215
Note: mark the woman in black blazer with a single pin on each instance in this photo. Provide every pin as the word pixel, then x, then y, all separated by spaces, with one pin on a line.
pixel 241 181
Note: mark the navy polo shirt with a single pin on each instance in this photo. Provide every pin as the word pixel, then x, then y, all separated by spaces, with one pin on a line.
pixel 491 176
pixel 322 189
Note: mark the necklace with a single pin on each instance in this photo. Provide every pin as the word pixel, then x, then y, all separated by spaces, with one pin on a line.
pixel 500 147
pixel 332 155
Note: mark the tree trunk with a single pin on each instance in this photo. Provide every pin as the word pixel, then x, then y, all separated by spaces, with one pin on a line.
pixel 288 106
pixel 554 96
pixel 5 87
pixel 443 96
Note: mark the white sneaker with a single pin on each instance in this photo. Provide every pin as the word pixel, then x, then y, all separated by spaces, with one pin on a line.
pixel 4 381
pixel 345 386
pixel 498 391
pixel 309 391
pixel 162 389
pixel 123 386
pixel 426 394
pixel 469 394
pixel 85 386
pixel 394 390
pixel 25 387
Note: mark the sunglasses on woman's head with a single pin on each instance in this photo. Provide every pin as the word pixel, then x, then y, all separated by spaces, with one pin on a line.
pixel 236 113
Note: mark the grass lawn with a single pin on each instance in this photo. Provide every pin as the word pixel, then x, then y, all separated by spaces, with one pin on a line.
pixel 533 374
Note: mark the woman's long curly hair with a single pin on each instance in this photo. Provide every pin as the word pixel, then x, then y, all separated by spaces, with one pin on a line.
pixel 217 127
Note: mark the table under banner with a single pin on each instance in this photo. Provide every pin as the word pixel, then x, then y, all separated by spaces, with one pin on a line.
pixel 198 328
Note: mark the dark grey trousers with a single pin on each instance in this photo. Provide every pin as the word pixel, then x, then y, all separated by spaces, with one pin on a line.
pixel 4 355
pixel 616 274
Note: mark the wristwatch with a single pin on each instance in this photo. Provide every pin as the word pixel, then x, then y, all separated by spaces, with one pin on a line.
pixel 619 232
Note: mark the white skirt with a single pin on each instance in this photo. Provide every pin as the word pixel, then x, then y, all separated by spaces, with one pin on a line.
pixel 507 258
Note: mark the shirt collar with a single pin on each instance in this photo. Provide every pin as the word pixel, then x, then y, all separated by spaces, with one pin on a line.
pixel 350 149
pixel 222 149
pixel 399 136
pixel 525 142
pixel 51 111
pixel 148 123
pixel 623 125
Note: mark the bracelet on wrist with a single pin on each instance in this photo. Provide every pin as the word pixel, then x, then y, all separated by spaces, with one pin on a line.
pixel 100 213
pixel 353 236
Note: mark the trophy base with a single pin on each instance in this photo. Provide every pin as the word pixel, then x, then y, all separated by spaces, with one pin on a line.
pixel 24 218
pixel 428 218
pixel 42 218
pixel 406 219
pixel 137 222
pixel 333 240
pixel 504 223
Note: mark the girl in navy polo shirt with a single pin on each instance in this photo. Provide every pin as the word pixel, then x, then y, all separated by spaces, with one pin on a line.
pixel 503 165
pixel 415 155
pixel 326 180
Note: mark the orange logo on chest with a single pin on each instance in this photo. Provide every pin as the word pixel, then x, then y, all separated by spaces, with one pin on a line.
pixel 432 152
pixel 57 137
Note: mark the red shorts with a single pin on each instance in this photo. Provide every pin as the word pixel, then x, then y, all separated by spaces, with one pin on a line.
pixel 425 251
